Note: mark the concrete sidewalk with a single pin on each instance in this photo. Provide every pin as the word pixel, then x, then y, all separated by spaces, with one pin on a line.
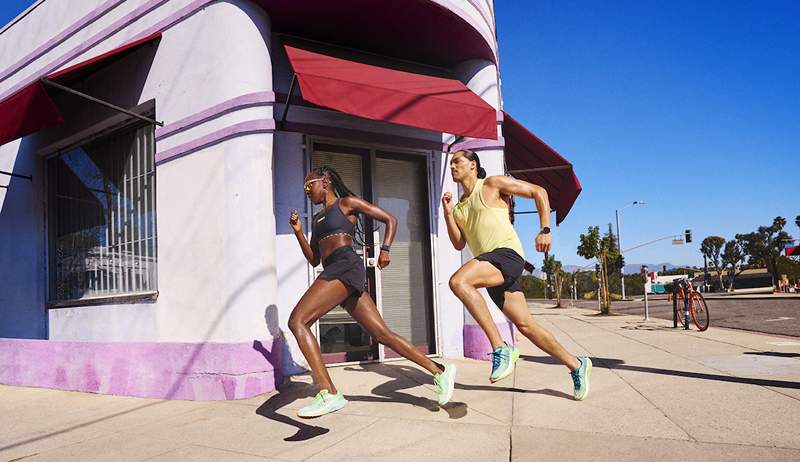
pixel 657 394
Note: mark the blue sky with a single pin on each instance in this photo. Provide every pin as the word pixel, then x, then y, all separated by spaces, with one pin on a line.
pixel 689 106
pixel 9 9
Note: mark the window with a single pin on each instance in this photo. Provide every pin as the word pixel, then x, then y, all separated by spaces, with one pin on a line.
pixel 102 218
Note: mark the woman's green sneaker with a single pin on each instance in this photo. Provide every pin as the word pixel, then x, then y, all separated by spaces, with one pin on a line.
pixel 504 358
pixel 580 378
pixel 445 384
pixel 324 403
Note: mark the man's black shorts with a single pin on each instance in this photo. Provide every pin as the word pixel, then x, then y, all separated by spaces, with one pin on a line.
pixel 511 264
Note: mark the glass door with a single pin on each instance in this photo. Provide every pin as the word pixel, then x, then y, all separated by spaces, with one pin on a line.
pixel 403 291
pixel 341 338
pixel 401 188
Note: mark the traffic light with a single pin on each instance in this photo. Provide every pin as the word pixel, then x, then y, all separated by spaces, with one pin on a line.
pixel 597 268
pixel 688 235
pixel 622 264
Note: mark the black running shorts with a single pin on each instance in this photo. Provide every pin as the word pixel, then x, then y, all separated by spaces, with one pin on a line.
pixel 345 265
pixel 511 264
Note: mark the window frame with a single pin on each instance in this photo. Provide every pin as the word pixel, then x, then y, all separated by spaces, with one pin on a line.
pixel 106 128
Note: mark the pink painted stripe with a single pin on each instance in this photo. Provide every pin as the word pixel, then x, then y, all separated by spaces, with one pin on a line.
pixel 88 44
pixel 262 98
pixel 165 370
pixel 476 344
pixel 176 17
pixel 486 14
pixel 233 131
pixel 85 21
pixel 480 145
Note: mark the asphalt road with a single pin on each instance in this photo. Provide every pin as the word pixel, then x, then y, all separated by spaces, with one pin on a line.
pixel 771 316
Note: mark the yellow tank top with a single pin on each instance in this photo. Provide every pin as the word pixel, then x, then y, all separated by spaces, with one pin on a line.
pixel 485 228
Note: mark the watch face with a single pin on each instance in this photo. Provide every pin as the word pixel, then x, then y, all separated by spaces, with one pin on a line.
pixel 545 230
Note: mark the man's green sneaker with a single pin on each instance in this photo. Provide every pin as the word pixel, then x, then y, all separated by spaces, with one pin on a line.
pixel 503 360
pixel 445 383
pixel 580 378
pixel 324 403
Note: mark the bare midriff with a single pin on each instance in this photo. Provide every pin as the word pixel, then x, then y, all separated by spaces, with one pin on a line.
pixel 330 243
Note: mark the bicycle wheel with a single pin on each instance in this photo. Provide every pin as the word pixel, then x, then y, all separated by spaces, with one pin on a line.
pixel 681 320
pixel 699 311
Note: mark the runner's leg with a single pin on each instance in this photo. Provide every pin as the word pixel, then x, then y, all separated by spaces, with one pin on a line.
pixel 465 283
pixel 319 299
pixel 516 310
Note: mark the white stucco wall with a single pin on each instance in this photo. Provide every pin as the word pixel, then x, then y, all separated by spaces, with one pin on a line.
pixel 228 264
pixel 480 76
pixel 216 269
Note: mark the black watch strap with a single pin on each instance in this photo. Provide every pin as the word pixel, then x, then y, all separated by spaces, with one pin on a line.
pixel 386 248
pixel 545 230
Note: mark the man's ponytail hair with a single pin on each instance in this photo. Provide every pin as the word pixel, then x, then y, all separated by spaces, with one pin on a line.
pixel 472 155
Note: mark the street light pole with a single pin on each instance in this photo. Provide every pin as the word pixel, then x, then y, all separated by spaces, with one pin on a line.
pixel 619 243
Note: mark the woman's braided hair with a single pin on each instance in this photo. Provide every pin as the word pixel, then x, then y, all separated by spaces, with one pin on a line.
pixel 341 190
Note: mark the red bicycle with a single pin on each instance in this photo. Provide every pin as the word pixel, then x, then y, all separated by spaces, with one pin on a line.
pixel 688 302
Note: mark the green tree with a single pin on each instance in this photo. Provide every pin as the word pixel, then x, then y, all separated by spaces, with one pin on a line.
pixel 532 286
pixel 604 249
pixel 732 258
pixel 764 246
pixel 711 248
pixel 555 271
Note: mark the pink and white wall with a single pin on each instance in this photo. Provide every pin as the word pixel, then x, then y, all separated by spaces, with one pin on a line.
pixel 229 272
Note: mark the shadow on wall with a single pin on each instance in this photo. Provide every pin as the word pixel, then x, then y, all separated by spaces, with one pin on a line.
pixel 22 245
pixel 288 366
pixel 182 385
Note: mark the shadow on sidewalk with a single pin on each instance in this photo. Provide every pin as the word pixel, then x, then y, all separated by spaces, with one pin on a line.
pixel 618 364
pixel 773 353
pixel 398 372
pixel 389 392
pixel 289 393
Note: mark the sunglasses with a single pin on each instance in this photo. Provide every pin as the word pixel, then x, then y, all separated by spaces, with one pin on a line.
pixel 307 185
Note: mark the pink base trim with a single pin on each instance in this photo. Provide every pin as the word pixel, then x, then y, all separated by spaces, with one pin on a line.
pixel 476 344
pixel 166 370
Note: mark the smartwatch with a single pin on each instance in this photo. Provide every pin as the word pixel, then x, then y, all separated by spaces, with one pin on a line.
pixel 386 247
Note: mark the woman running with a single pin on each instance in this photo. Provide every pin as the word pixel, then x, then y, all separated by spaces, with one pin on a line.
pixel 481 220
pixel 343 281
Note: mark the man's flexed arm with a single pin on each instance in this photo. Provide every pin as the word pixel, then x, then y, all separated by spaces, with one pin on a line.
pixel 508 186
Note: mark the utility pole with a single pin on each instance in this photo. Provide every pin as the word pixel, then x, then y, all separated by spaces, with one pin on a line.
pixel 619 244
pixel 645 275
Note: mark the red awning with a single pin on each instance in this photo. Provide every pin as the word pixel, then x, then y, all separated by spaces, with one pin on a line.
pixel 32 109
pixel 400 97
pixel 529 158
pixel 793 251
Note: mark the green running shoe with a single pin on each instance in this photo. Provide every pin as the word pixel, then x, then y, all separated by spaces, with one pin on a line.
pixel 580 378
pixel 503 360
pixel 445 384
pixel 324 403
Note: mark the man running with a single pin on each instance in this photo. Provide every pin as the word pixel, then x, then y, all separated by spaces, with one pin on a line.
pixel 481 220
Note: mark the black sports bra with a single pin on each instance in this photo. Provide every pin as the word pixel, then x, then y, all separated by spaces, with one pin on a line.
pixel 331 221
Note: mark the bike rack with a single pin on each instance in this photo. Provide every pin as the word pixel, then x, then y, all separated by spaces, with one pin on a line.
pixel 674 307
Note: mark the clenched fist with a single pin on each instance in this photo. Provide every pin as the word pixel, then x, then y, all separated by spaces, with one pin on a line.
pixel 294 221
pixel 447 202
pixel 543 242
